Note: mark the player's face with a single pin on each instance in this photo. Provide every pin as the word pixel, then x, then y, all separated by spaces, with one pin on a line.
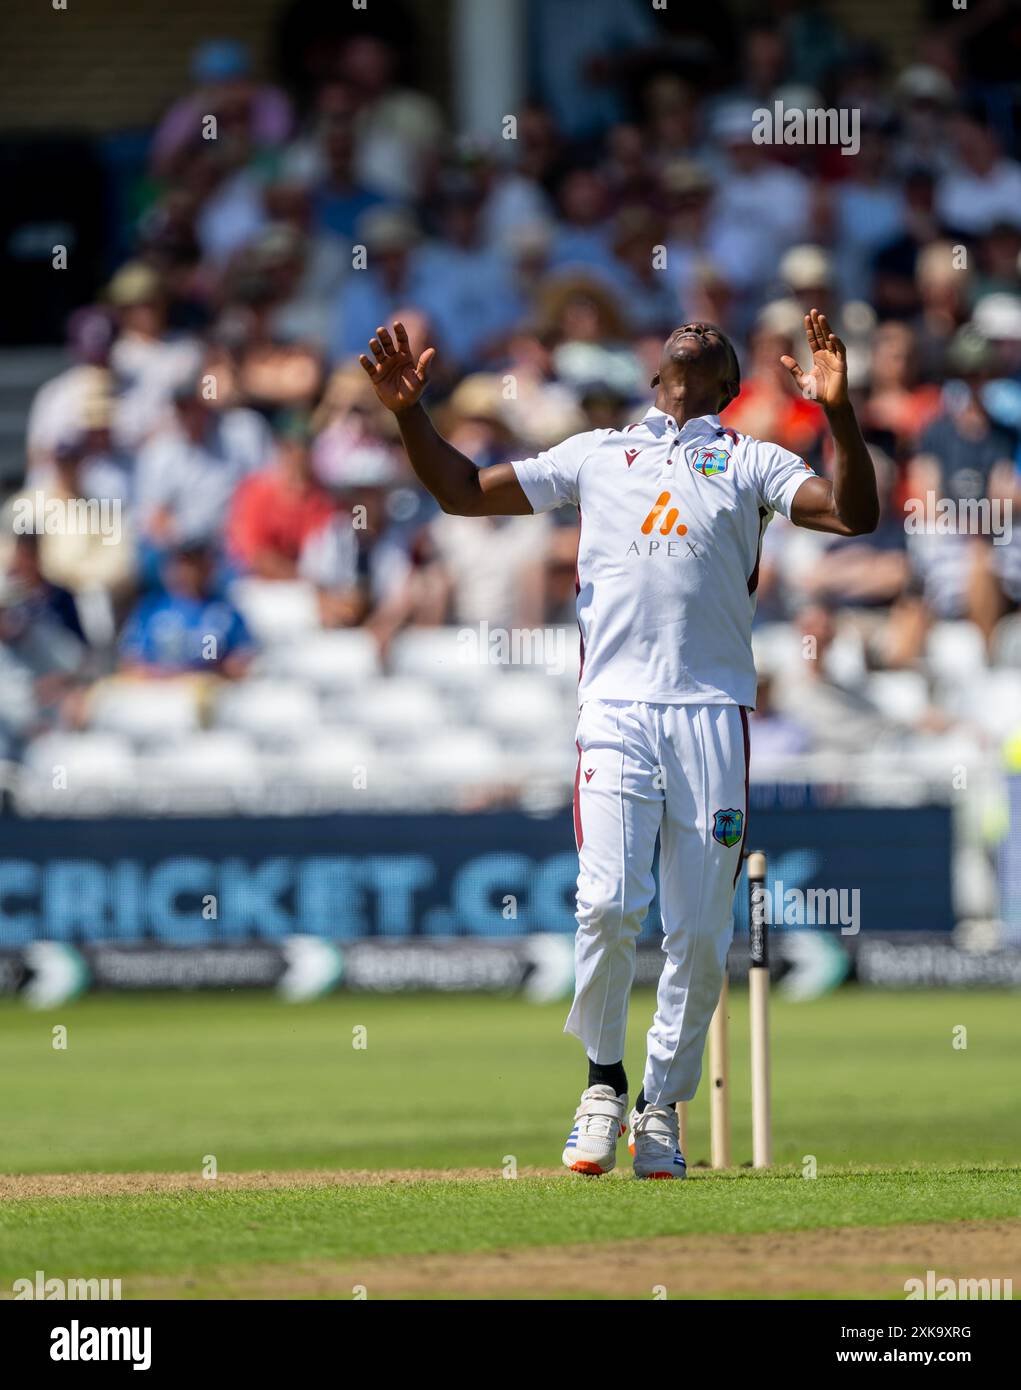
pixel 697 350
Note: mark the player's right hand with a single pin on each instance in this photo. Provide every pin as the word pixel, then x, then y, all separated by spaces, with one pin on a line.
pixel 397 378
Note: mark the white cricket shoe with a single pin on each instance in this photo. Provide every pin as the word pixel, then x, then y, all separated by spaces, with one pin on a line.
pixel 598 1123
pixel 655 1143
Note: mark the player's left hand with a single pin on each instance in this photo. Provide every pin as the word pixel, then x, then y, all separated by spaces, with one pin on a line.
pixel 827 381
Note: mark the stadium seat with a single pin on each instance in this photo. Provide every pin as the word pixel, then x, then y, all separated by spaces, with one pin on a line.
pixel 901 695
pixel 332 758
pixel 522 706
pixel 777 648
pixel 327 660
pixel 992 700
pixel 276 610
pixel 90 760
pixel 213 758
pixel 399 708
pixel 443 656
pixel 268 709
pixel 954 651
pixel 1007 641
pixel 145 711
pixel 465 758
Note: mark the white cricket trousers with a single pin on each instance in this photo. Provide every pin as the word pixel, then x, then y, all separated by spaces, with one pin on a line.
pixel 679 772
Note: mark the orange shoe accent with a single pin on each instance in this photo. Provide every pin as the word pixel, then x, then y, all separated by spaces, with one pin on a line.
pixel 631 1150
pixel 660 1175
pixel 583 1165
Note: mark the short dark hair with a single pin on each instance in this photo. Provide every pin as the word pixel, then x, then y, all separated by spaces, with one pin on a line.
pixel 735 367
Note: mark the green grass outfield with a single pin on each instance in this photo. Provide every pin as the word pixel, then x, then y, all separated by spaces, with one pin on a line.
pixel 905 1128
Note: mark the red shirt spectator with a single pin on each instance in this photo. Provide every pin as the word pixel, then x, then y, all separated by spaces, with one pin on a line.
pixel 275 511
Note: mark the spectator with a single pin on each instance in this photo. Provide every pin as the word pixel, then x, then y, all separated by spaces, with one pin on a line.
pixel 150 362
pixel 944 286
pixel 43 652
pixel 398 131
pixel 982 188
pixel 338 198
pixel 188 473
pixel 897 403
pixel 93 551
pixel 360 560
pixel 837 717
pixel 275 511
pixel 395 273
pixel 770 406
pixel 221 71
pixel 187 627
pixel 761 206
pixel 775 737
pixel 58 408
pixel 964 457
pixel 470 297
pixel 579 66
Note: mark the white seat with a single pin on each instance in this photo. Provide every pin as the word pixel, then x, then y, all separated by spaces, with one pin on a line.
pixel 526 706
pixel 443 656
pixel 276 610
pixel 331 758
pixel 327 660
pixel 954 651
pixel 901 695
pixel 776 648
pixel 145 710
pixel 89 760
pixel 399 707
pixel 1007 641
pixel 462 759
pixel 993 701
pixel 268 709
pixel 213 758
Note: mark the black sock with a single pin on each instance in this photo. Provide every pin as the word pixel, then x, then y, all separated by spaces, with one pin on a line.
pixel 641 1102
pixel 608 1074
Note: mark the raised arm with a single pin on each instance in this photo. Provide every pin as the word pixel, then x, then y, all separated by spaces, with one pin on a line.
pixel 849 506
pixel 458 486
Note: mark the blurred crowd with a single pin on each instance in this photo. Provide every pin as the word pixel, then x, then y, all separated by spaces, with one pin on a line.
pixel 213 392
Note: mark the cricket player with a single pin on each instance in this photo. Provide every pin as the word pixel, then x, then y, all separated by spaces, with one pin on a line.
pixel 673 510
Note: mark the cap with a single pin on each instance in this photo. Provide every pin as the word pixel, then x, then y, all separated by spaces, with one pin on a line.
pixel 969 352
pixel 805 267
pixel 135 283
pixel 997 317
pixel 387 229
pixel 218 60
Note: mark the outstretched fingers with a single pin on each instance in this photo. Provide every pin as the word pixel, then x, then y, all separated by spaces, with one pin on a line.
pixel 369 366
pixel 793 368
pixel 424 363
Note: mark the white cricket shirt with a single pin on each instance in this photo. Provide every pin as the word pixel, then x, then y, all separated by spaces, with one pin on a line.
pixel 671 529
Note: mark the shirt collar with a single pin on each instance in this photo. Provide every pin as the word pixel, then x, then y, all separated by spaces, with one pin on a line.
pixel 659 421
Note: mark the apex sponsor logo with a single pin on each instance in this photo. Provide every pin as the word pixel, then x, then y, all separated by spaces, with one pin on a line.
pixel 631 455
pixel 663 520
pixel 666 518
